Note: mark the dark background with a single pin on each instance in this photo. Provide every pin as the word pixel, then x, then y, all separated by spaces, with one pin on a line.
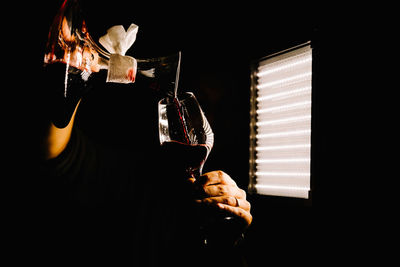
pixel 218 44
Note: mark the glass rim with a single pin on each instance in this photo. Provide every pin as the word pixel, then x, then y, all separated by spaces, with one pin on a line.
pixel 185 96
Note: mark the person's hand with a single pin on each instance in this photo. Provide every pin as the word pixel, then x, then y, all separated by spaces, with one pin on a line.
pixel 219 189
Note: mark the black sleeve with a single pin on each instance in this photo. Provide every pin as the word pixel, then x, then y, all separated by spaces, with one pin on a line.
pixel 87 174
pixel 86 213
pixel 133 209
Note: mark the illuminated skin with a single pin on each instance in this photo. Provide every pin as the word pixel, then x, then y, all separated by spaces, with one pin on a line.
pixel 56 139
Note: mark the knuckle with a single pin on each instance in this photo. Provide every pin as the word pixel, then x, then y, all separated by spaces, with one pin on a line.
pixel 230 190
pixel 231 201
pixel 242 193
pixel 223 190
pixel 221 175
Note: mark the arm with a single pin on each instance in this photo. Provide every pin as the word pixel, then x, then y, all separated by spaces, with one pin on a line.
pixel 56 139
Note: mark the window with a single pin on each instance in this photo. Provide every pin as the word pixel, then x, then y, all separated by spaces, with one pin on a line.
pixel 280 123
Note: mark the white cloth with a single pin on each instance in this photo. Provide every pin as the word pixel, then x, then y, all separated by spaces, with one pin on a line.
pixel 121 68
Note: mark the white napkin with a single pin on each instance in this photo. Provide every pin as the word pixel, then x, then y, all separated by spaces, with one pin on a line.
pixel 121 68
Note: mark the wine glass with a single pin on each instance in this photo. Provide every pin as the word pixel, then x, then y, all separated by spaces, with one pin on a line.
pixel 187 138
pixel 184 132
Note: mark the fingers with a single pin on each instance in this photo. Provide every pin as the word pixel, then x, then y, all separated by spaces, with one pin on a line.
pixel 220 190
pixel 215 177
pixel 226 200
pixel 224 190
pixel 218 186
pixel 235 206
pixel 218 183
pixel 237 211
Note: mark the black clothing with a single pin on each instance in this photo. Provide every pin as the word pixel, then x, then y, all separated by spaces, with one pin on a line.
pixel 117 206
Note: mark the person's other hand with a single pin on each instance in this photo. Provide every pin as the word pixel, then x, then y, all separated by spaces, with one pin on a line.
pixel 219 189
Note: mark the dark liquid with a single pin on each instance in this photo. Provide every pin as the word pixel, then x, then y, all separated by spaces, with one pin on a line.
pixel 182 122
pixel 66 86
pixel 187 157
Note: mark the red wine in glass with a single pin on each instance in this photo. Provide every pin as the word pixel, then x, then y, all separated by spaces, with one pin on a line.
pixel 185 132
pixel 190 158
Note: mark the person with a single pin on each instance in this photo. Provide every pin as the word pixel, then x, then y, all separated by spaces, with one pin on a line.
pixel 151 202
pixel 88 202
pixel 131 204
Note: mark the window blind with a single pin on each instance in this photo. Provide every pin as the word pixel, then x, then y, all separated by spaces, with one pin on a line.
pixel 280 123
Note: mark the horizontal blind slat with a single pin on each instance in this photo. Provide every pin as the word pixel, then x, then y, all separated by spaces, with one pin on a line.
pixel 283 124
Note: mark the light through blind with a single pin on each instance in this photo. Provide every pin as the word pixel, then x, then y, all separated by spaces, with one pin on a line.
pixel 280 123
